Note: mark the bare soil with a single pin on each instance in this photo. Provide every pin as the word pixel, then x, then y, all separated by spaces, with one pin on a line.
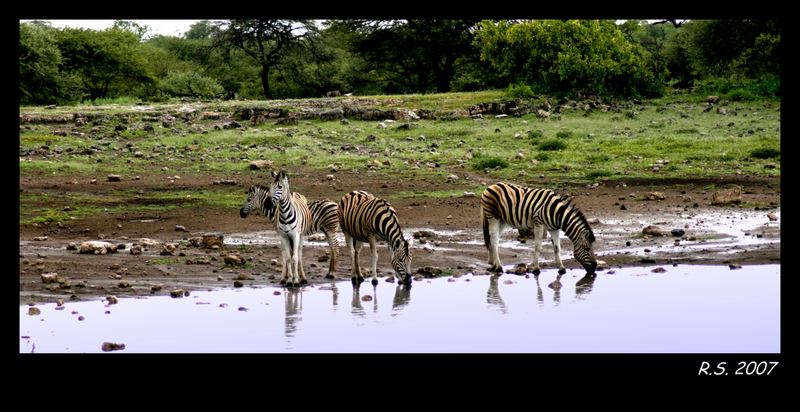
pixel 123 274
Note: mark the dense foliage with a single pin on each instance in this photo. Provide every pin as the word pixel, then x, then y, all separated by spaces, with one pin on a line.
pixel 257 59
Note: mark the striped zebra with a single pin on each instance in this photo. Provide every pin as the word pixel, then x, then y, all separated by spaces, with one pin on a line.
pixel 366 218
pixel 525 208
pixel 324 218
pixel 294 219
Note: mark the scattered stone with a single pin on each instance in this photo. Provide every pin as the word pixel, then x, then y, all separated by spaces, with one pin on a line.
pixel 233 260
pixel 772 216
pixel 224 182
pixel 60 303
pixel 168 249
pixel 655 196
pixel 51 278
pixel 97 247
pixel 124 284
pixel 146 242
pixel 177 293
pixel 735 266
pixel 111 346
pixel 712 99
pixel 677 232
pixel 180 228
pixel 659 270
pixel 647 261
pixel 114 178
pixel 81 318
pixel 72 246
pixel 261 164
pixel 276 293
pixel 323 258
pixel 136 250
pixel 112 299
pixel 273 262
pixel 390 279
pixel 242 309
pixel 330 177
pixel 40 238
pixel 727 196
pixel 156 288
pixel 469 194
pixel 33 311
pixel 237 284
pixel 452 178
pixel 429 271
pixel 366 298
pixel 652 231
pixel 424 233
pixel 623 207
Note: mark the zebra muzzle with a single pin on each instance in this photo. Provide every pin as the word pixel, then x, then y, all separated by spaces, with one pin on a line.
pixel 242 213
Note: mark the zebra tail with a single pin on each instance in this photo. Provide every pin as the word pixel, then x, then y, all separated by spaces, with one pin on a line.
pixel 486 236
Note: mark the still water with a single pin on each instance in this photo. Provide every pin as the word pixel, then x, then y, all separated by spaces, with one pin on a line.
pixel 687 309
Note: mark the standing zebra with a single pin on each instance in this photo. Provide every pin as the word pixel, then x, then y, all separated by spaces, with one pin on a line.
pixel 324 218
pixel 294 219
pixel 366 218
pixel 525 208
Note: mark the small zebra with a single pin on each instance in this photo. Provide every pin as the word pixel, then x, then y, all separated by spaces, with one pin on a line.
pixel 294 219
pixel 525 208
pixel 324 216
pixel 366 218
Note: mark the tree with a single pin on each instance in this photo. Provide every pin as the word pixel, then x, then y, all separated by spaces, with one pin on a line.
pixel 266 41
pixel 39 59
pixel 418 55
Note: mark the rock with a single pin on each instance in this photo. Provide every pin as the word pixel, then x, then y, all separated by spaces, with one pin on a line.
pixel 261 164
pixel 424 233
pixel 233 260
pixel 244 276
pixel 273 262
pixel 712 99
pixel 659 270
pixel 652 231
pixel 33 311
pixel 111 346
pixel 468 194
pixel 677 232
pixel 224 182
pixel 112 300
pixel 735 266
pixel 121 246
pixel 772 216
pixel 452 178
pixel 237 284
pixel 242 309
pixel 390 279
pixel 180 228
pixel 60 303
pixel 136 250
pixel 146 242
pixel 622 207
pixel 156 288
pixel 330 177
pixel 366 298
pixel 542 114
pixel 323 258
pixel 40 238
pixel 72 246
pixel 97 247
pixel 177 293
pixel 727 196
pixel 168 249
pixel 124 284
pixel 51 278
pixel 81 318
pixel 655 196
pixel 429 271
pixel 381 125
pixel 114 178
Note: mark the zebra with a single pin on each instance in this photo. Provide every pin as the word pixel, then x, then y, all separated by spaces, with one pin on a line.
pixel 324 217
pixel 294 219
pixel 366 218
pixel 525 208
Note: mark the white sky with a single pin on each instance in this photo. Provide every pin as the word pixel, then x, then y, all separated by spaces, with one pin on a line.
pixel 163 27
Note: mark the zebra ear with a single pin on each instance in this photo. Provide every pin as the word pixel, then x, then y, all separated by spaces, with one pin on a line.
pixel 274 175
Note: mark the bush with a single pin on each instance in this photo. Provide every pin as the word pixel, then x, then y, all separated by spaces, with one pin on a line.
pixel 190 84
pixel 552 145
pixel 519 91
pixel 740 94
pixel 765 153
pixel 487 162
pixel 542 156
pixel 564 134
pixel 594 174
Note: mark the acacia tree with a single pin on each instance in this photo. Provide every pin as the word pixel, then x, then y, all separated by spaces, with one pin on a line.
pixel 266 41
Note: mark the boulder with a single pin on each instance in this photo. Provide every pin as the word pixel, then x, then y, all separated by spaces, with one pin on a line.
pixel 97 247
pixel 727 196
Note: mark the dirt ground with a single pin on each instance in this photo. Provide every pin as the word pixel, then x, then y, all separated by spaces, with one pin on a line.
pixel 123 274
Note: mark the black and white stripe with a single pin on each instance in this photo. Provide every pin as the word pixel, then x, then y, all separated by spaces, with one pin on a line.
pixel 365 218
pixel 505 204
pixel 324 218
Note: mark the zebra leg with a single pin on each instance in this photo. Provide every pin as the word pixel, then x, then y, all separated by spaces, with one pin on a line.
pixel 286 259
pixel 494 238
pixel 303 279
pixel 374 251
pixel 557 249
pixel 538 234
pixel 334 246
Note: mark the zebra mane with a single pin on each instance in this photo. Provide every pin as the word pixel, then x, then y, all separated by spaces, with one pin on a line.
pixel 572 209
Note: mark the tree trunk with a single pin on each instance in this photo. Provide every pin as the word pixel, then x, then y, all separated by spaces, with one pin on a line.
pixel 265 81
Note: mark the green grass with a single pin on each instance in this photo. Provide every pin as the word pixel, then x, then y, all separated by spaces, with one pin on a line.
pixel 552 145
pixel 765 153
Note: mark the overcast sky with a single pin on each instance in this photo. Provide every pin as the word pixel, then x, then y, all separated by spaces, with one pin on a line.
pixel 163 27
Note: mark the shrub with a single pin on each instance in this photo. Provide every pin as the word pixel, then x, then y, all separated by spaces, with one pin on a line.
pixel 519 91
pixel 564 134
pixel 765 153
pixel 552 144
pixel 489 162
pixel 542 156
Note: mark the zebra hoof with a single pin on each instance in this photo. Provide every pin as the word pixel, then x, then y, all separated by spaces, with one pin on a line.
pixel 283 281
pixel 496 269
pixel 562 271
pixel 304 281
pixel 289 284
pixel 536 272
pixel 356 281
pixel 374 282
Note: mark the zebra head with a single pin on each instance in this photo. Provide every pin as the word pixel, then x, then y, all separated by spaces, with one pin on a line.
pixel 583 252
pixel 401 261
pixel 280 187
pixel 257 200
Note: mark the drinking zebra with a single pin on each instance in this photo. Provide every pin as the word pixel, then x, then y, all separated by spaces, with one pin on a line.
pixel 324 218
pixel 366 218
pixel 525 208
